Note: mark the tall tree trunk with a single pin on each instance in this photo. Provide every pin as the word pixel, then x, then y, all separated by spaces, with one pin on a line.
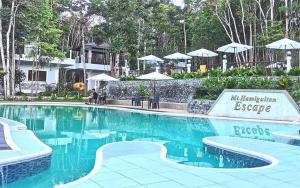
pixel 13 60
pixel 2 53
pixel 286 19
pixel 8 55
pixel 83 61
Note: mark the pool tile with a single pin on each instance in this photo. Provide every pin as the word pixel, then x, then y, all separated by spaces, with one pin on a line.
pixel 212 186
pixel 220 178
pixel 284 176
pixel 87 184
pixel 266 181
pixel 118 183
pixel 106 176
pixel 134 172
pixel 148 179
pixel 240 184
pixel 284 185
pixel 168 184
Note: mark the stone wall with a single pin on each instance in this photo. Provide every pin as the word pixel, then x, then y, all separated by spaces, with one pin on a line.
pixel 178 91
pixel 26 87
pixel 200 106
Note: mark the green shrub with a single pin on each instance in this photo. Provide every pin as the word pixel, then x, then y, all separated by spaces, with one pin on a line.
pixel 190 75
pixel 295 71
pixel 128 78
pixel 284 83
pixel 215 72
pixel 207 93
pixel 295 94
pixel 279 72
pixel 25 98
pixel 66 97
pixel 78 97
pixel 142 91
pixel 40 98
pixel 53 97
pixel 245 71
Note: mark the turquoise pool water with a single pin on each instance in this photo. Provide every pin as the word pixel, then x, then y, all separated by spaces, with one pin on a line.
pixel 76 133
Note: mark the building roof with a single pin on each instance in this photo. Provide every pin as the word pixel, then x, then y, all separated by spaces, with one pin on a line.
pixel 94 47
pixel 89 66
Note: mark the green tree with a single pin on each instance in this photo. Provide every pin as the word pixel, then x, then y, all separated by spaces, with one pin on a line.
pixel 42 32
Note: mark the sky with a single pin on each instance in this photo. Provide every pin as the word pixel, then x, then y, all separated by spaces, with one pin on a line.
pixel 178 2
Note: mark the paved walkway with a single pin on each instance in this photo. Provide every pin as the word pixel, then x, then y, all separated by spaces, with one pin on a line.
pixel 165 110
pixel 143 164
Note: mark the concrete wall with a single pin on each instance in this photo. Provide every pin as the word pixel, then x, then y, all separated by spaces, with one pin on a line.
pixel 177 91
pixel 51 78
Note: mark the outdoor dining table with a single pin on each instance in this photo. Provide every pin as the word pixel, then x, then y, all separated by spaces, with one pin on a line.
pixel 142 99
pixel 145 98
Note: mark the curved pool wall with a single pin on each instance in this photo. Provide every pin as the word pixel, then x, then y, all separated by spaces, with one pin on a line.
pixel 75 133
pixel 25 156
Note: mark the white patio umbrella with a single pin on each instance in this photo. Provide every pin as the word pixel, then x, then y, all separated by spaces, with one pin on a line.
pixel 101 77
pixel 154 76
pixel 177 56
pixel 285 44
pixel 234 48
pixel 149 59
pixel 202 53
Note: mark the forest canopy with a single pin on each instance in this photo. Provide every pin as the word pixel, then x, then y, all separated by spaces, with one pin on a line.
pixel 142 27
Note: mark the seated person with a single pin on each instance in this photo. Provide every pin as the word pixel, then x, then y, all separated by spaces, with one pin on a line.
pixel 93 96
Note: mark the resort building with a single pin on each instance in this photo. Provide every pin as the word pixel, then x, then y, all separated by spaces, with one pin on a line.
pixel 98 58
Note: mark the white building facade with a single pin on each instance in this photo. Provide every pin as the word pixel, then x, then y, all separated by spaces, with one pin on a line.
pixel 49 74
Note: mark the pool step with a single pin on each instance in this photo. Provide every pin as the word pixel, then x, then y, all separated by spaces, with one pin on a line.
pixel 3 144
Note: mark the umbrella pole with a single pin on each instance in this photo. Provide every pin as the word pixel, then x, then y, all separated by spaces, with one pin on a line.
pixel 154 89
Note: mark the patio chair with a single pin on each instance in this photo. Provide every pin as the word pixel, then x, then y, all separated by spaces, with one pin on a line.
pixel 137 100
pixel 133 99
pixel 102 99
pixel 154 103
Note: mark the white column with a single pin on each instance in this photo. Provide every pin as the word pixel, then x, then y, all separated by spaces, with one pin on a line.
pixel 138 65
pixel 188 68
pixel 127 69
pixel 157 69
pixel 71 54
pixel 288 62
pixel 224 63
pixel 90 56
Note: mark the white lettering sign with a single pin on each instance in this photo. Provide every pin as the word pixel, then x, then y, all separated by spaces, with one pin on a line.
pixel 256 104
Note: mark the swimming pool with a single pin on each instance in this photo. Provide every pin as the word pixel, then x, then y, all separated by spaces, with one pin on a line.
pixel 76 133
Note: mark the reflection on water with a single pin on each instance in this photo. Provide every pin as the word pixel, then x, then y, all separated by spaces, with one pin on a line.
pixel 76 133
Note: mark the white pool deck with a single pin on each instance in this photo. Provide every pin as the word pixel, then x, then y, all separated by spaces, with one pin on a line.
pixel 143 164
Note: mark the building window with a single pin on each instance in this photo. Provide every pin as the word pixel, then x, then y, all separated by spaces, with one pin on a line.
pixel 37 75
